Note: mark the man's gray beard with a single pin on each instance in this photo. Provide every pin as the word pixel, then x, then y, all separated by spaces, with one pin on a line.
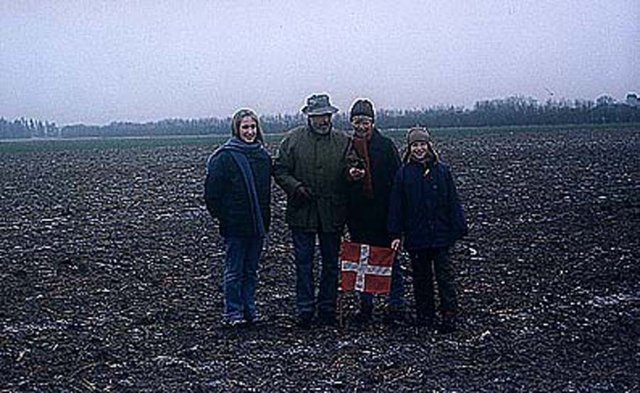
pixel 321 130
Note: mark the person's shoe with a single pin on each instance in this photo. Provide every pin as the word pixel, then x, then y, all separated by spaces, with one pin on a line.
pixel 364 315
pixel 448 324
pixel 305 320
pixel 425 319
pixel 395 315
pixel 255 319
pixel 233 323
pixel 327 319
pixel 424 322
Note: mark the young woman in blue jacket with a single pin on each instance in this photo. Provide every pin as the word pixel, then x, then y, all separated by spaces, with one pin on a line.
pixel 237 193
pixel 424 208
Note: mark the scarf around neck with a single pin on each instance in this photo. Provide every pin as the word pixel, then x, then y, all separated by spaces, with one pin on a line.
pixel 361 146
pixel 238 150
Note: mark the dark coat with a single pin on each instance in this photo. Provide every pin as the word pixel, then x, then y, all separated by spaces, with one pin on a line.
pixel 426 209
pixel 227 197
pixel 319 163
pixel 367 218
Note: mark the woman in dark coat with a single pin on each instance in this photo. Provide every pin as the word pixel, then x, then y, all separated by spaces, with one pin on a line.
pixel 237 193
pixel 424 207
pixel 374 163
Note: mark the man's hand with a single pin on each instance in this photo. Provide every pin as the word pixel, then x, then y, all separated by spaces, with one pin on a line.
pixel 356 173
pixel 395 244
pixel 303 193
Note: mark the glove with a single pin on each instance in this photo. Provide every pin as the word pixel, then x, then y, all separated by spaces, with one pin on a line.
pixel 395 244
pixel 356 173
pixel 303 193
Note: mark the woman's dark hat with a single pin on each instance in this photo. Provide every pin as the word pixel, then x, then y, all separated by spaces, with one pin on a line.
pixel 362 107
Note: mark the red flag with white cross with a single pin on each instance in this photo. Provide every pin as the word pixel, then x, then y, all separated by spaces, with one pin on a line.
pixel 365 268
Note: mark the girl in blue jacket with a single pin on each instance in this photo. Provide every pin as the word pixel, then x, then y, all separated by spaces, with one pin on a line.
pixel 424 208
pixel 237 193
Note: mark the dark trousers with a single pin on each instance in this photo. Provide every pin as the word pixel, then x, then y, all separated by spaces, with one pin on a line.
pixel 425 263
pixel 304 249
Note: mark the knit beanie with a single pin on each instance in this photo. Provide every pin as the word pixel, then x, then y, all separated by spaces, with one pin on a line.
pixel 362 107
pixel 418 134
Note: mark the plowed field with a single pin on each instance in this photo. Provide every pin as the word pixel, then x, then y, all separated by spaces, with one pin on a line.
pixel 111 272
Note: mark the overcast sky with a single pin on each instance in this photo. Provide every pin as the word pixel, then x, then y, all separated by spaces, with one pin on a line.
pixel 101 61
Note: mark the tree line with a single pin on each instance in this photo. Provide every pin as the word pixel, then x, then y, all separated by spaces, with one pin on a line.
pixel 515 110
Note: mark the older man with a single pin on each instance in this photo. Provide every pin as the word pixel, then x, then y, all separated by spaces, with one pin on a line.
pixel 310 166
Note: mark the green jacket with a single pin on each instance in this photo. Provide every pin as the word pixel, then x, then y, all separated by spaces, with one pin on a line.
pixel 320 163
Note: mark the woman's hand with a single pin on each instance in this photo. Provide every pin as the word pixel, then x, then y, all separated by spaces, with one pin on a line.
pixel 395 244
pixel 356 173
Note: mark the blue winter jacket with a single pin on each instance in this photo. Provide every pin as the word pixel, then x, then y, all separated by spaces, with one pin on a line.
pixel 226 194
pixel 425 209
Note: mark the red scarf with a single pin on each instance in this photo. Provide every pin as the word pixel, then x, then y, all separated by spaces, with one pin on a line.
pixel 361 146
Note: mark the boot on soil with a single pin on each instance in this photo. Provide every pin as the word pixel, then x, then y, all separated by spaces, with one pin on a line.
pixel 448 324
pixel 305 320
pixel 233 324
pixel 424 322
pixel 327 319
pixel 364 316
pixel 425 319
pixel 254 320
pixel 395 316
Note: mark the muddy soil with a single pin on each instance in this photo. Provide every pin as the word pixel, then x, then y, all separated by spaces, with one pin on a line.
pixel 111 278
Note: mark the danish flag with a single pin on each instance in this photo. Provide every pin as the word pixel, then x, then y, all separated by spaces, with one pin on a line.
pixel 365 268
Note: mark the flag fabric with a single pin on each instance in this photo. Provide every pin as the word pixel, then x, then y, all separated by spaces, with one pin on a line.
pixel 365 268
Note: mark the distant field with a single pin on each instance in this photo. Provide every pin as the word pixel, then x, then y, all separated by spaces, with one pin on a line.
pixel 29 145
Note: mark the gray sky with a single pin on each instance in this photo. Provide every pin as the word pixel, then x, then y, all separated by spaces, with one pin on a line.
pixel 101 61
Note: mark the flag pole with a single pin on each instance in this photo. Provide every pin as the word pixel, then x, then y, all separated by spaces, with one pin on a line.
pixel 340 319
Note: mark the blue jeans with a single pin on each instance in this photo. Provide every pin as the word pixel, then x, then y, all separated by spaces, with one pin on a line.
pixel 304 247
pixel 241 277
